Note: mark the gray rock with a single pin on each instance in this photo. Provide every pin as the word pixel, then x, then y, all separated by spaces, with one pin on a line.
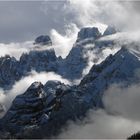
pixel 33 108
pixel 43 40
pixel 8 71
pixel 72 67
pixel 12 70
pixel 115 69
pixel 87 33
pixel 38 60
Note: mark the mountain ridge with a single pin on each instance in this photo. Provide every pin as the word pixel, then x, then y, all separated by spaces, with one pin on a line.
pixel 75 101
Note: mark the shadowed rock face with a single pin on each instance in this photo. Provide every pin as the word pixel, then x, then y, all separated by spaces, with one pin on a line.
pixel 87 33
pixel 43 40
pixel 12 70
pixel 48 107
pixel 8 71
pixel 115 69
pixel 38 61
pixel 87 47
pixel 33 108
pixel 71 68
pixel 27 107
pixel 110 30
pixel 43 109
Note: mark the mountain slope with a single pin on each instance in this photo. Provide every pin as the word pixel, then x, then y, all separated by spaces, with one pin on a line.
pixel 56 103
pixel 121 67
pixel 87 50
pixel 12 70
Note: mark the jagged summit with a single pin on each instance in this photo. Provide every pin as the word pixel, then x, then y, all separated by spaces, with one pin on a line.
pixel 12 70
pixel 38 60
pixel 34 107
pixel 121 61
pixel 35 90
pixel 43 40
pixel 88 47
pixel 35 85
pixel 88 33
pixel 54 103
pixel 44 59
pixel 118 68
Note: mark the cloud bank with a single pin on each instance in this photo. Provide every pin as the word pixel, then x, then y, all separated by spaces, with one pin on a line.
pixel 105 12
pixel 15 49
pixel 101 125
pixel 119 119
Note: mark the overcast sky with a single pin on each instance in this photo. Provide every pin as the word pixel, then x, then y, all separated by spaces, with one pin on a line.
pixel 24 20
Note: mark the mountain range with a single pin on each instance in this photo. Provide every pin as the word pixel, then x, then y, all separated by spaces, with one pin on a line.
pixel 43 110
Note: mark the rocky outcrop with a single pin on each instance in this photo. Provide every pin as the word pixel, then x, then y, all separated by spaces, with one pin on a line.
pixel 88 33
pixel 42 60
pixel 43 40
pixel 12 70
pixel 87 49
pixel 115 69
pixel 33 108
pixel 8 71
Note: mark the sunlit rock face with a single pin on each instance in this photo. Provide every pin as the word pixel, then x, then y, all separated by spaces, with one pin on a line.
pixel 43 40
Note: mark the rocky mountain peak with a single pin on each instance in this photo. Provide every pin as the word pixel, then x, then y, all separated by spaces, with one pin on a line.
pixel 115 67
pixel 43 40
pixel 88 33
pixel 35 85
pixel 34 107
pixel 35 89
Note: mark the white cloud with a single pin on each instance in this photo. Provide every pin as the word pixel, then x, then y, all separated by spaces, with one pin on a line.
pixel 96 55
pixel 123 101
pixel 15 49
pixel 93 12
pixel 63 43
pixel 100 125
pixel 119 120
